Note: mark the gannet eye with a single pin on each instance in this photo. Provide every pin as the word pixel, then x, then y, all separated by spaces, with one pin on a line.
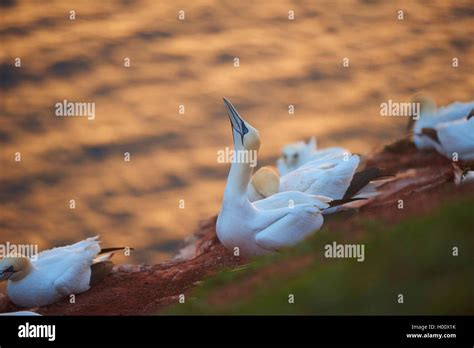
pixel 244 129
pixel 295 156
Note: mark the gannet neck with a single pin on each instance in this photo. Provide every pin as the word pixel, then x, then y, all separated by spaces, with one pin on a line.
pixel 240 173
pixel 238 179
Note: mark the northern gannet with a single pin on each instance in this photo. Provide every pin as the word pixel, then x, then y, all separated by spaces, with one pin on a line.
pixel 20 314
pixel 54 274
pixel 296 154
pixel 267 225
pixel 454 139
pixel 432 116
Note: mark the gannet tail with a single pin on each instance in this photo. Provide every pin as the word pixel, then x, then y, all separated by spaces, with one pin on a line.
pixel 471 114
pixel 338 202
pixel 361 179
pixel 109 250
pixel 107 253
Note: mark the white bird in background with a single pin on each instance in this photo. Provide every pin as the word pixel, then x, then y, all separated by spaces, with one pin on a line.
pixel 20 314
pixel 268 224
pixel 296 154
pixel 54 274
pixel 454 139
pixel 431 116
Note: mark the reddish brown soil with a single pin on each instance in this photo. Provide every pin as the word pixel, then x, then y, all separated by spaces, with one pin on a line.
pixel 422 181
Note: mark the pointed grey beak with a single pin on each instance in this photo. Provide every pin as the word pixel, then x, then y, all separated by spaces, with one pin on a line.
pixel 236 121
pixel 4 275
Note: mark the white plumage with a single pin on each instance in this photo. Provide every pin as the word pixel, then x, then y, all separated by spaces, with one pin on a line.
pixel 456 139
pixel 20 314
pixel 330 178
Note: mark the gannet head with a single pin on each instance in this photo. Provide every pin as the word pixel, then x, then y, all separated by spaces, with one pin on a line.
pixel 266 181
pixel 14 268
pixel 293 154
pixel 427 107
pixel 244 134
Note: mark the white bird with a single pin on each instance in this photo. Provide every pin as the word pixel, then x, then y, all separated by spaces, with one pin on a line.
pixel 296 154
pixel 267 225
pixel 20 314
pixel 54 274
pixel 431 116
pixel 454 139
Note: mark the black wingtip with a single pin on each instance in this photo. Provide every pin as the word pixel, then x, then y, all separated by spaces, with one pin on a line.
pixel 362 178
pixel 471 114
pixel 109 250
pixel 338 202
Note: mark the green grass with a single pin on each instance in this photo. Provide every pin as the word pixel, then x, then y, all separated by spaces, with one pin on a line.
pixel 413 258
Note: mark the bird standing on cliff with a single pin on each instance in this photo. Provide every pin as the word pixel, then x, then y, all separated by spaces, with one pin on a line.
pixel 54 274
pixel 267 225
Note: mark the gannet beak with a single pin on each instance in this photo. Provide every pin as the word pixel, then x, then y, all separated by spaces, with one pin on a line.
pixel 236 121
pixel 5 274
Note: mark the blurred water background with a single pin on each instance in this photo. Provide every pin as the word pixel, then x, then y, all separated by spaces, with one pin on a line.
pixel 191 63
